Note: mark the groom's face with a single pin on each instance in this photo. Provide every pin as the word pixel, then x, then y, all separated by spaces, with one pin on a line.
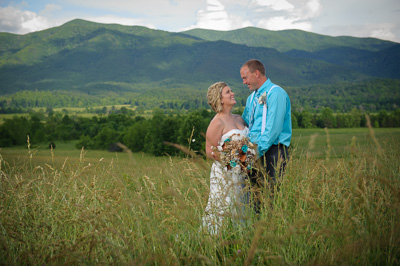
pixel 249 79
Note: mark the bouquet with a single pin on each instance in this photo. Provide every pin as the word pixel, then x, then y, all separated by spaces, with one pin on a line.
pixel 237 151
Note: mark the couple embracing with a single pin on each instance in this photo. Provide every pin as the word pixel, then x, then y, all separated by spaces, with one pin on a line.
pixel 266 122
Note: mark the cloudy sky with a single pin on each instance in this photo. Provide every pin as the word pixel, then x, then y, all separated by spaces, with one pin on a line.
pixel 359 18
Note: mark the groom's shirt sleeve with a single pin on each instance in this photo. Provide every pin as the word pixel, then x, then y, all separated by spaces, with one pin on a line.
pixel 276 111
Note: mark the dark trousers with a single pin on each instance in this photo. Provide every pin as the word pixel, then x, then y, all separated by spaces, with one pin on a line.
pixel 267 173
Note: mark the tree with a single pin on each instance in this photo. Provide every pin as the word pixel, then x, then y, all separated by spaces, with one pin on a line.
pixel 37 132
pixel 327 118
pixel 18 128
pixel 340 121
pixel 192 131
pixel 383 118
pixel 105 138
pixel 154 140
pixel 294 121
pixel 170 133
pixel 396 117
pixel 85 142
pixel 357 117
pixel 6 138
pixel 306 119
pixel 134 136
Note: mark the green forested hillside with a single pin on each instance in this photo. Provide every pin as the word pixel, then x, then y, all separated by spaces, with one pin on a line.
pixel 383 63
pixel 287 40
pixel 370 56
pixel 90 64
pixel 35 47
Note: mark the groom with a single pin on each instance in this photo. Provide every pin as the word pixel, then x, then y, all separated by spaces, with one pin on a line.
pixel 267 113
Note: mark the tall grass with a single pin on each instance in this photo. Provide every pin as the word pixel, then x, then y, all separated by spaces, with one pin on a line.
pixel 137 209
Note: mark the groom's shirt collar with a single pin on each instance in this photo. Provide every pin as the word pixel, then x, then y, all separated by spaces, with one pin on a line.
pixel 267 84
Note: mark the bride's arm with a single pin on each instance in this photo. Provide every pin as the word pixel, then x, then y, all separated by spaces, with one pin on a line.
pixel 213 135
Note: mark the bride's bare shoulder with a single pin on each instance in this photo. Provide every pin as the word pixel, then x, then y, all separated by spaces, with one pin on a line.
pixel 215 129
pixel 239 118
pixel 216 122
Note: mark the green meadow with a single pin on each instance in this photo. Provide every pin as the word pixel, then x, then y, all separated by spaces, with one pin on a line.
pixel 338 204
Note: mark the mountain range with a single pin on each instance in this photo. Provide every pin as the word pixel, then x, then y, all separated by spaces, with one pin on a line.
pixel 91 58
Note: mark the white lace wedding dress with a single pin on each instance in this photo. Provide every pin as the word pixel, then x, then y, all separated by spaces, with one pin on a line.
pixel 228 197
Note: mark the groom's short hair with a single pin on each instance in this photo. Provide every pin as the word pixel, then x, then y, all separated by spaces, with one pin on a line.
pixel 254 64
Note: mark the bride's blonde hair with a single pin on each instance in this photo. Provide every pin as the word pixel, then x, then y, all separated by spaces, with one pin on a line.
pixel 214 94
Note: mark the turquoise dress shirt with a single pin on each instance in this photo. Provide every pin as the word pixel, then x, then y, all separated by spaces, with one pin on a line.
pixel 278 127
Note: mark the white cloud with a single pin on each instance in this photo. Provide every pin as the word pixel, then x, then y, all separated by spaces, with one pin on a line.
pixel 282 23
pixel 171 15
pixel 214 6
pixel 272 4
pixel 359 18
pixel 215 17
pixel 282 14
pixel 385 31
pixel 151 9
pixel 17 21
pixel 313 8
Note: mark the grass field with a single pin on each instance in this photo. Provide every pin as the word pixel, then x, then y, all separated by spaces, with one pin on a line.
pixel 338 203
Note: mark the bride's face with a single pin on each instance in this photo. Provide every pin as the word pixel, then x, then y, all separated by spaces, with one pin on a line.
pixel 227 96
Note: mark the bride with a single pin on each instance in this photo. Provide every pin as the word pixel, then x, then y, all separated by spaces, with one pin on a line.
pixel 227 197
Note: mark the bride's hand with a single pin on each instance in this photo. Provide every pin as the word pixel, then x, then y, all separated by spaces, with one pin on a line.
pixel 215 154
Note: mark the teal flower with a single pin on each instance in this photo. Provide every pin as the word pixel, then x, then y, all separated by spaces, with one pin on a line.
pixel 232 164
pixel 244 148
pixel 227 140
pixel 249 166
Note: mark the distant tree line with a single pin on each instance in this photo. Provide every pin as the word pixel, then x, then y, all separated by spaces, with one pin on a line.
pixel 355 118
pixel 23 101
pixel 101 132
pixel 151 135
pixel 370 96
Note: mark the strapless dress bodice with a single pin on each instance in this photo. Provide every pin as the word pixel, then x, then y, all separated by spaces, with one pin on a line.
pixel 243 132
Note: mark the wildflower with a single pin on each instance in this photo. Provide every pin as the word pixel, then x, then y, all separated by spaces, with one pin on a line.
pixel 244 148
